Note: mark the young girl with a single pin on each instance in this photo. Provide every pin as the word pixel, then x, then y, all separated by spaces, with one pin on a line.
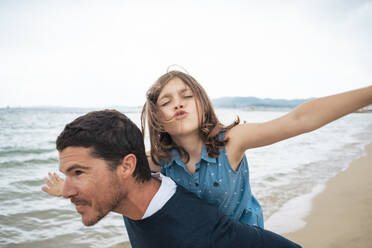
pixel 190 145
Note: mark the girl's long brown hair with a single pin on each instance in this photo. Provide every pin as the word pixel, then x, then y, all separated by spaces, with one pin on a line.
pixel 161 142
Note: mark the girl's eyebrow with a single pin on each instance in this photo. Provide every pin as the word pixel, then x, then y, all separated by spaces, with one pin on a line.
pixel 169 95
pixel 164 96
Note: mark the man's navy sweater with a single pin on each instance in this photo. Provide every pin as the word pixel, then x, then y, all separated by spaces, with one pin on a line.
pixel 187 221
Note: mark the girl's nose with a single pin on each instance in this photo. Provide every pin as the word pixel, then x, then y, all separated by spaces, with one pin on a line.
pixel 178 106
pixel 178 103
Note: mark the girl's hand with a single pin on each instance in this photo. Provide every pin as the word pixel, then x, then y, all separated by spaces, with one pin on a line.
pixel 55 185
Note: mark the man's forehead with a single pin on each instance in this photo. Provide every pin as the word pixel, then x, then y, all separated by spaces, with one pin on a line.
pixel 73 155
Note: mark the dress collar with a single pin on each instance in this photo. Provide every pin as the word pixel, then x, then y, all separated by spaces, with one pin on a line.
pixel 176 157
pixel 205 155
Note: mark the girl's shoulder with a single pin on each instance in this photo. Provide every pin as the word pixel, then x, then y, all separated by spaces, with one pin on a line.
pixel 234 148
pixel 235 132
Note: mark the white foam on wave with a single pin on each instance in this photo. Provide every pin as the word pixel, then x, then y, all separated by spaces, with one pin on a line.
pixel 290 217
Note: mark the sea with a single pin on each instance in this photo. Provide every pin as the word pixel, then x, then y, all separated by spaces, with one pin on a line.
pixel 284 176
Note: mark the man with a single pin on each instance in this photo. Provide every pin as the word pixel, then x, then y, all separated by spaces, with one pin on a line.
pixel 102 155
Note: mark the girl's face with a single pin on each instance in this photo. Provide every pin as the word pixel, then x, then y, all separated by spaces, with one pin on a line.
pixel 178 109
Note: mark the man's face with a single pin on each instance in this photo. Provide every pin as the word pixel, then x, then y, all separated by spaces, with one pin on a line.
pixel 92 187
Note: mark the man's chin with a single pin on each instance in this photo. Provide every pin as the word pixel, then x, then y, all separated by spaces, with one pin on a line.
pixel 89 223
pixel 91 220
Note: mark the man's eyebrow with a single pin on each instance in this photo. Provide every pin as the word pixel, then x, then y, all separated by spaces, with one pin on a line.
pixel 77 166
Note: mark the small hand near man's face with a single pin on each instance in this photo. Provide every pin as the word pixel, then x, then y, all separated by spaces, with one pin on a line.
pixel 54 185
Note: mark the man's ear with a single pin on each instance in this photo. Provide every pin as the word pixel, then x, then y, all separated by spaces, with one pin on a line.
pixel 127 166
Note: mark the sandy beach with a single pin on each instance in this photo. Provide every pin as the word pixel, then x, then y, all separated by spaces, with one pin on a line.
pixel 342 214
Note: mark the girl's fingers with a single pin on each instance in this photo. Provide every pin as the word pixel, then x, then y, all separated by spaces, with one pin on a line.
pixel 45 189
pixel 52 180
pixel 54 184
pixel 46 180
pixel 58 179
pixel 53 177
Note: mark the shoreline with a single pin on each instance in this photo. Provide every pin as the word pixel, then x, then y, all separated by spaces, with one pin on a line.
pixel 341 215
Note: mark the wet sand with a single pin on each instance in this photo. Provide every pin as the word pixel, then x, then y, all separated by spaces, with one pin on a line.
pixel 341 215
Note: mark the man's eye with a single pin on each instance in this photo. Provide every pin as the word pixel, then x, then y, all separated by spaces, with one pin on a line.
pixel 78 172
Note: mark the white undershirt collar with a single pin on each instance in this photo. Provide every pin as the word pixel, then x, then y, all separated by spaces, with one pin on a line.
pixel 165 192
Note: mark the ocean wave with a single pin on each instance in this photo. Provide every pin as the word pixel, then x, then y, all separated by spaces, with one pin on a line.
pixel 6 151
pixel 36 182
pixel 43 216
pixel 12 164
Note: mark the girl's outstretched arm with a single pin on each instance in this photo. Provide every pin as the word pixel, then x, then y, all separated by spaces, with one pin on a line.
pixel 307 117
pixel 55 185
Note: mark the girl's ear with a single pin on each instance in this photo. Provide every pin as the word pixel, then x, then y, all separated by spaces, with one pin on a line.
pixel 127 166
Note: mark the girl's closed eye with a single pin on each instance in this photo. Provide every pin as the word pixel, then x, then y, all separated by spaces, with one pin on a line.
pixel 164 104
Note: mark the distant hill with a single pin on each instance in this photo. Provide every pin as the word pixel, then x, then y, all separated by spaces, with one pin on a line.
pixel 248 102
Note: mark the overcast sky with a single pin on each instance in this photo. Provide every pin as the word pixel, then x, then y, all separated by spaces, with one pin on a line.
pixel 107 53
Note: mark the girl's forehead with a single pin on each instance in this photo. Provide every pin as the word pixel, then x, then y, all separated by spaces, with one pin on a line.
pixel 174 85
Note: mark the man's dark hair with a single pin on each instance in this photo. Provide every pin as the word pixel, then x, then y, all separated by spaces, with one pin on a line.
pixel 111 136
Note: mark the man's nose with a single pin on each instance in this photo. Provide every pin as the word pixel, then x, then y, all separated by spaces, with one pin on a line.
pixel 69 189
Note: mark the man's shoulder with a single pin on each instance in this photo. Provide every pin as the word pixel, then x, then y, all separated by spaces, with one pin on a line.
pixel 184 215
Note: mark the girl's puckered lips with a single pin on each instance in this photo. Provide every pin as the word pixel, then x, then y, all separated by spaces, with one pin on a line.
pixel 180 114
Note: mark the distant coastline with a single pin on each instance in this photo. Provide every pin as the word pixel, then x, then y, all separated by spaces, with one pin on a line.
pixel 223 102
pixel 245 103
pixel 126 109
pixel 254 103
pixel 257 103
